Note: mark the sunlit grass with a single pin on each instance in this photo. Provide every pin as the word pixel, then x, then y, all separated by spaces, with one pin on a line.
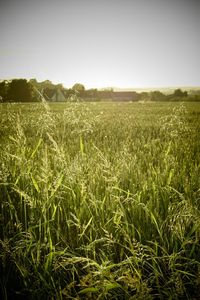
pixel 100 201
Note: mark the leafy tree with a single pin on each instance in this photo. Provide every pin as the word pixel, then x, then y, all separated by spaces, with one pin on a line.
pixel 78 87
pixel 144 96
pixel 3 90
pixel 157 96
pixel 180 93
pixel 34 82
pixel 19 90
pixel 47 84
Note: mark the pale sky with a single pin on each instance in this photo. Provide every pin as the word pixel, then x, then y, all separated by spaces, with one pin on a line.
pixel 101 43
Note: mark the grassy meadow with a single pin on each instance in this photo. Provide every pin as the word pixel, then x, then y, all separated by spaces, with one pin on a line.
pixel 100 201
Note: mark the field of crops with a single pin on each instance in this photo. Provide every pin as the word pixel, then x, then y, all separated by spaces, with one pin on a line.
pixel 100 201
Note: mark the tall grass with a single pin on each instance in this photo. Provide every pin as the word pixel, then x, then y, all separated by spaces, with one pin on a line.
pixel 100 201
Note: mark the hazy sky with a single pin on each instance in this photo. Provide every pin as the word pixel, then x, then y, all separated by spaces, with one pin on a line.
pixel 124 43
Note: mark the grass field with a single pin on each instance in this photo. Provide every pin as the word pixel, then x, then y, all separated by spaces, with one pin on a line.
pixel 100 201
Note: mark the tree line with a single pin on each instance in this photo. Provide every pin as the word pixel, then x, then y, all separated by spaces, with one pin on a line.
pixel 23 90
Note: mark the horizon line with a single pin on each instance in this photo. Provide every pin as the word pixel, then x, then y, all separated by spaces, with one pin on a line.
pixel 130 88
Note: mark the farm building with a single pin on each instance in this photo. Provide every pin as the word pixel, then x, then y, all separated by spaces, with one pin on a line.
pixel 54 95
pixel 58 96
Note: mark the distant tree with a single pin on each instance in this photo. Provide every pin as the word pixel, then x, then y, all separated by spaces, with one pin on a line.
pixel 47 84
pixel 3 90
pixel 78 87
pixel 157 96
pixel 59 86
pixel 179 93
pixel 144 96
pixel 19 90
pixel 34 82
pixel 35 85
pixel 41 85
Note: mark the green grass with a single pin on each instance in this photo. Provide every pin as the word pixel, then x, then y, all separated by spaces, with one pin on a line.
pixel 100 201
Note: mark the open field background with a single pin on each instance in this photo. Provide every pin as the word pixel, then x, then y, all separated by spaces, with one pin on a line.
pixel 100 201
